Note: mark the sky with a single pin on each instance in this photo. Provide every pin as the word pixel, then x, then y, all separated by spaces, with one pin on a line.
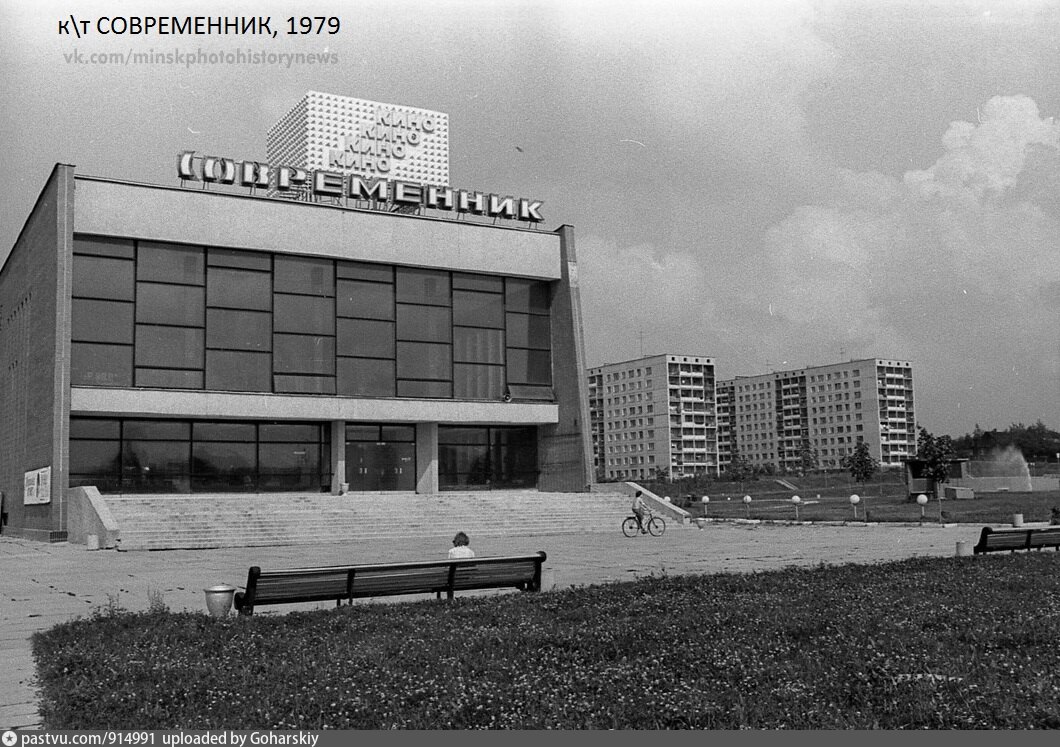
pixel 773 184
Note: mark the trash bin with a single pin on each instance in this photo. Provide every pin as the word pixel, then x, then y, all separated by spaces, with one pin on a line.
pixel 1017 520
pixel 219 599
pixel 963 549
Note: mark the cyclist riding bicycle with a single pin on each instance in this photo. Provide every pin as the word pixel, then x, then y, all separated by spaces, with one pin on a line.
pixel 640 508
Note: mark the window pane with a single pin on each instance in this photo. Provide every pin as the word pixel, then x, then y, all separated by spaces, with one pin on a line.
pixel 294 432
pixel 158 303
pixel 104 246
pixel 224 432
pixel 239 289
pixel 289 467
pixel 231 466
pixel 398 433
pixel 365 377
pixel 528 331
pixel 157 466
pixel 365 300
pixel 238 258
pixel 471 345
pixel 101 365
pixel 526 295
pixel 170 263
pixel 291 384
pixel 463 435
pixel 238 372
pixel 529 366
pixel 381 466
pixel 303 314
pixel 238 330
pixel 478 309
pixel 427 323
pixel 362 433
pixel 422 360
pixel 365 338
pixel 169 347
pixel 163 378
pixel 478 382
pixel 426 389
pixel 95 428
pixel 422 286
pixel 307 275
pixel 487 283
pixel 306 354
pixel 95 457
pixel 365 271
pixel 101 321
pixel 157 430
pixel 101 277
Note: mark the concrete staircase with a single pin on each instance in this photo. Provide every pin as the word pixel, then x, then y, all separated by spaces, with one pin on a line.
pixel 149 522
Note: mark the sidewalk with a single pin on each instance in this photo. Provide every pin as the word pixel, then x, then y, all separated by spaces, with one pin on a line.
pixel 46 584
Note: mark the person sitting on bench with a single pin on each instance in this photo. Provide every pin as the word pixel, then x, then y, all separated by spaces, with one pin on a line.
pixel 460 548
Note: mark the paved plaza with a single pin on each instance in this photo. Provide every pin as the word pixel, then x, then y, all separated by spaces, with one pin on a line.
pixel 45 584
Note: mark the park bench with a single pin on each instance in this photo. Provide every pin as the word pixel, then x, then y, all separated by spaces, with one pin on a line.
pixel 1027 538
pixel 349 582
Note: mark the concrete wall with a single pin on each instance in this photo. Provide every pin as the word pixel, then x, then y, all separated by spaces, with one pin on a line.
pixel 242 222
pixel 564 450
pixel 89 516
pixel 34 360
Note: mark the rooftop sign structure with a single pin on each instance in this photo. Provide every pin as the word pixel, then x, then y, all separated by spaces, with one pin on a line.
pixel 366 138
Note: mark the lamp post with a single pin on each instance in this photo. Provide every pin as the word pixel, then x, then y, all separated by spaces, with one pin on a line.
pixel 747 505
pixel 922 500
pixel 705 500
pixel 796 500
pixel 854 500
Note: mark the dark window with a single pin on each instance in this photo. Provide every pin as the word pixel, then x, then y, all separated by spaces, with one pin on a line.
pixel 238 330
pixel 366 377
pixel 101 365
pixel 104 246
pixel 365 300
pixel 475 345
pixel 303 384
pixel 365 271
pixel 527 296
pixel 169 347
pixel 304 354
pixel 484 458
pixel 170 263
pixel 529 366
pixel 425 389
pixel 158 303
pixel 238 372
pixel 478 309
pixel 488 283
pixel 423 360
pixel 365 337
pixel 162 378
pixel 239 289
pixel 305 315
pixel 239 258
pixel 380 457
pixel 305 275
pixel 103 277
pixel 422 286
pixel 101 321
pixel 478 382
pixel 424 323
pixel 528 331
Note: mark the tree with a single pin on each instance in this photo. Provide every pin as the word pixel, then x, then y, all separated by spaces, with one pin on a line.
pixel 861 464
pixel 740 468
pixel 808 457
pixel 937 453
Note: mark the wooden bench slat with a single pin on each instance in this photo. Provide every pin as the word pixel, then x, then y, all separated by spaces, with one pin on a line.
pixel 337 583
pixel 1011 540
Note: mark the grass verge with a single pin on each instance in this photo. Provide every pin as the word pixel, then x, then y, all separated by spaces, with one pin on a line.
pixel 951 643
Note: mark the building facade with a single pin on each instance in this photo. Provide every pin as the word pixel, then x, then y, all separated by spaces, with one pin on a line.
pixel 169 340
pixel 776 420
pixel 653 416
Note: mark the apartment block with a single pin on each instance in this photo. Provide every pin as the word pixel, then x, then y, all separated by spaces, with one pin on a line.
pixel 654 415
pixel 770 419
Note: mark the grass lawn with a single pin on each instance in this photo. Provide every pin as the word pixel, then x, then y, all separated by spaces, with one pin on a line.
pixel 937 643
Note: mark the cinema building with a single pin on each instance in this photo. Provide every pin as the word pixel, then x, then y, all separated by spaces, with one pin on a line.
pixel 183 340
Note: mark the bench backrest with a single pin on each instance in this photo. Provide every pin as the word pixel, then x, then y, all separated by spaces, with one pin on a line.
pixel 1018 539
pixel 1045 537
pixel 389 579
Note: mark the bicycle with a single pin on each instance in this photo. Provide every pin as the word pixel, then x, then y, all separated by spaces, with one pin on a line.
pixel 655 525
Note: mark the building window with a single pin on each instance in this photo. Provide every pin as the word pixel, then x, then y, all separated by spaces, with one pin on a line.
pixel 182 456
pixel 475 458
pixel 380 457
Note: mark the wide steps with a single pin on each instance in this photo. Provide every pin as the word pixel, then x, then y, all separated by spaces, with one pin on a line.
pixel 240 520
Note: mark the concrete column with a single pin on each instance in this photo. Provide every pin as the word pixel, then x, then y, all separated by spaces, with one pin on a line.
pixel 426 458
pixel 338 456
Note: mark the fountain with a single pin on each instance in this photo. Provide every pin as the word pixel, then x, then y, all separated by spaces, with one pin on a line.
pixel 1003 469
